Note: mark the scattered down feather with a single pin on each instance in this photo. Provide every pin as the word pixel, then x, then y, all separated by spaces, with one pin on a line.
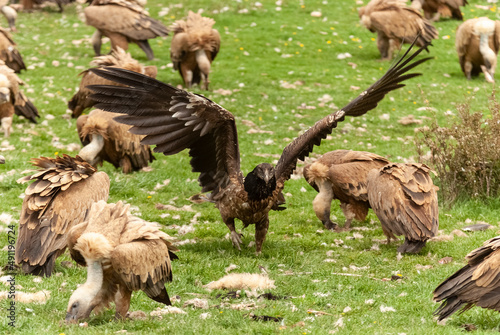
pixel 341 174
pixel 39 297
pixel 60 196
pixel 435 9
pixel 394 22
pixel 242 281
pixel 9 53
pixel 123 253
pixel 477 283
pixel 118 58
pixel 104 139
pixel 174 120
pixel 404 199
pixel 194 47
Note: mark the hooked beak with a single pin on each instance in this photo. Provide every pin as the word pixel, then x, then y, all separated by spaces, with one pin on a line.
pixel 70 318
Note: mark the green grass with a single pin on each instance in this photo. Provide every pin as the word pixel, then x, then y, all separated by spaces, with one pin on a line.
pixel 251 64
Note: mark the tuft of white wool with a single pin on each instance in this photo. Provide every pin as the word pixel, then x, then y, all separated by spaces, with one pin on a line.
pixel 484 26
pixel 239 281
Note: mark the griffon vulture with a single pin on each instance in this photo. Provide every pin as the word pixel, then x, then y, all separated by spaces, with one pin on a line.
pixel 341 174
pixel 9 13
pixel 174 120
pixel 394 22
pixel 477 283
pixel 405 200
pixel 107 140
pixel 28 5
pixel 9 53
pixel 119 58
pixel 434 9
pixel 477 42
pixel 122 22
pixel 194 47
pixel 122 253
pixel 60 197
pixel 13 100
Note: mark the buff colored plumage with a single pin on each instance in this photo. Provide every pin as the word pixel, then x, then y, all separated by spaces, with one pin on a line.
pixel 9 53
pixel 435 9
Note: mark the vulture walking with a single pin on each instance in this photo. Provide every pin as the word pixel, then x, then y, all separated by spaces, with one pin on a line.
pixel 477 283
pixel 434 9
pixel 341 174
pixel 193 49
pixel 13 100
pixel 9 53
pixel 405 200
pixel 174 120
pixel 122 254
pixel 118 58
pixel 394 22
pixel 104 139
pixel 123 22
pixel 477 42
pixel 62 192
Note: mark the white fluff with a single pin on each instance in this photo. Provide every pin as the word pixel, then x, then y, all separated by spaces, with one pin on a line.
pixel 239 281
pixel 484 26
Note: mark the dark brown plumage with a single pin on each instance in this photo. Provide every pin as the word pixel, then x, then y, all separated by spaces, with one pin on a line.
pixel 174 120
pixel 434 9
pixel 477 283
pixel 341 174
pixel 9 53
pixel 107 140
pixel 405 200
pixel 62 192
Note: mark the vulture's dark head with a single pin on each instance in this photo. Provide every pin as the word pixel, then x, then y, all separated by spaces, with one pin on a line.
pixel 261 182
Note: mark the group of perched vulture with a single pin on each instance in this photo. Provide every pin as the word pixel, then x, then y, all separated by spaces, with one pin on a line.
pixel 65 204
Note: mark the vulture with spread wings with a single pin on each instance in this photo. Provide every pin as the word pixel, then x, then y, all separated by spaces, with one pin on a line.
pixel 174 120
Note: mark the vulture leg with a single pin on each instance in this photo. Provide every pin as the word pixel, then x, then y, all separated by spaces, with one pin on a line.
pixel 122 302
pixel 117 40
pixel 322 203
pixel 468 69
pixel 187 75
pixel 126 165
pixel 204 65
pixel 144 45
pixel 383 45
pixel 260 234
pixel 7 125
pixel 96 41
pixel 436 17
pixel 235 237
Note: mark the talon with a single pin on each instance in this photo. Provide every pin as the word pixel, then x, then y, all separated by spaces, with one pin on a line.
pixel 330 225
pixel 236 239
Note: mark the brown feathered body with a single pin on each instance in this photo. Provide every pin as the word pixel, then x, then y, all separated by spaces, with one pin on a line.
pixel 477 43
pixel 118 58
pixel 122 253
pixel 404 199
pixel 476 284
pixel 194 46
pixel 60 196
pixel 9 53
pixel 29 5
pixel 123 22
pixel 394 22
pixel 174 120
pixel 341 174
pixel 104 139
pixel 435 9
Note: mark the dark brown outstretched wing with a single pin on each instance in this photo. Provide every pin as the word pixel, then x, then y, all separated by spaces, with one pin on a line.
pixel 303 145
pixel 173 120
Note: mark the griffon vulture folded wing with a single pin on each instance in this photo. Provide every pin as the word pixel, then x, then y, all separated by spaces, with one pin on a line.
pixel 341 174
pixel 122 253
pixel 107 140
pixel 62 192
pixel 118 58
pixel 405 201
pixel 9 53
pixel 194 47
pixel 434 9
pixel 174 120
pixel 477 283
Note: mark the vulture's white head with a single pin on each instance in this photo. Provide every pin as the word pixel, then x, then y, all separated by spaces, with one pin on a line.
pixel 4 89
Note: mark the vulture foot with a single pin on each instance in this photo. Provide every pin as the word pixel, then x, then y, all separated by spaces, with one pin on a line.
pixel 330 225
pixel 236 239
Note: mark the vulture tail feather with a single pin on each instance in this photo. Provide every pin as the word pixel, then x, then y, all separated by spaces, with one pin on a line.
pixel 411 247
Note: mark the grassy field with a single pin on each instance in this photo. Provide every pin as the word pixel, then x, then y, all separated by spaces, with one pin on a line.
pixel 282 69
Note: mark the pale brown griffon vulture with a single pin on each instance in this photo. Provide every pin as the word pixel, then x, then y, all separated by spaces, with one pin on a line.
pixel 434 9
pixel 123 22
pixel 122 253
pixel 341 174
pixel 404 199
pixel 62 192
pixel 477 283
pixel 118 58
pixel 12 100
pixel 9 13
pixel 9 53
pixel 104 139
pixel 477 42
pixel 174 120
pixel 194 47
pixel 394 22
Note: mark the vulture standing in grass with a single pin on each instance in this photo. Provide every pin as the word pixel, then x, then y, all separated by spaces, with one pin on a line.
pixel 9 53
pixel 62 192
pixel 434 9
pixel 477 42
pixel 405 200
pixel 341 174
pixel 9 13
pixel 193 49
pixel 118 58
pixel 104 139
pixel 394 22
pixel 122 254
pixel 13 100
pixel 123 22
pixel 174 120
pixel 477 283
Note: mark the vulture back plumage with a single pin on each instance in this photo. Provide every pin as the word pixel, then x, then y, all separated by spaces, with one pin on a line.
pixel 60 196
pixel 9 53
